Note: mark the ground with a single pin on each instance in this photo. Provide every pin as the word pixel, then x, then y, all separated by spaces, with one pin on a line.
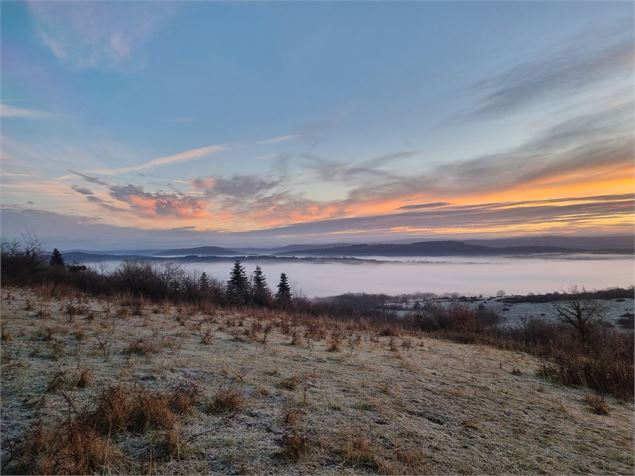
pixel 324 399
pixel 513 313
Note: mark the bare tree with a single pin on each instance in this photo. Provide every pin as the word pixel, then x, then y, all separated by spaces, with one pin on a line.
pixel 580 312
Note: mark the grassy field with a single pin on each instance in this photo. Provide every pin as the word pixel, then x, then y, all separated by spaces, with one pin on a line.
pixel 121 386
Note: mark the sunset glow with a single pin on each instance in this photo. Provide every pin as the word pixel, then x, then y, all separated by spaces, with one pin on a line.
pixel 308 128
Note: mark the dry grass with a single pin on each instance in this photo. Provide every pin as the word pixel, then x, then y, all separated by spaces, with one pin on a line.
pixel 597 404
pixel 361 452
pixel 6 334
pixel 291 383
pixel 184 396
pixel 437 409
pixel 121 409
pixel 69 449
pixel 295 445
pixel 141 347
pixel 225 400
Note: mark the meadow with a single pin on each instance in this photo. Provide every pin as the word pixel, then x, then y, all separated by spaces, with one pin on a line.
pixel 152 370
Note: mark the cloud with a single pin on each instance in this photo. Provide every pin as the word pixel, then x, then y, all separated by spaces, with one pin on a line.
pixel 583 62
pixel 478 217
pixel 593 142
pixel 571 214
pixel 99 35
pixel 82 190
pixel 369 170
pixel 597 139
pixel 277 140
pixel 88 178
pixel 260 200
pixel 242 187
pixel 184 156
pixel 11 112
pixel 158 203
pixel 424 205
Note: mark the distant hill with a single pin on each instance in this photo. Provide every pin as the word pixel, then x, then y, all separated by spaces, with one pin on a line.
pixel 615 242
pixel 86 257
pixel 200 251
pixel 518 246
pixel 429 248
pixel 284 249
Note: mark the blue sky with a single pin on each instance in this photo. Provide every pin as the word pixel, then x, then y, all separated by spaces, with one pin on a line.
pixel 226 118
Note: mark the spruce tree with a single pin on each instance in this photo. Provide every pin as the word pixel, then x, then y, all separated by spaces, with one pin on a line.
pixel 260 293
pixel 238 285
pixel 283 296
pixel 203 282
pixel 56 258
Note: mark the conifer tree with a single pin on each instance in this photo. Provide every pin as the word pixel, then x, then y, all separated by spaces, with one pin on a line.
pixel 56 258
pixel 203 282
pixel 283 296
pixel 260 293
pixel 237 291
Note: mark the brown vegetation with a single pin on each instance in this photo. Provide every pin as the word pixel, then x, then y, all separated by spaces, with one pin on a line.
pixel 419 399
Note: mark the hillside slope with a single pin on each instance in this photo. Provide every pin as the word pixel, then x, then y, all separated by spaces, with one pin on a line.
pixel 315 399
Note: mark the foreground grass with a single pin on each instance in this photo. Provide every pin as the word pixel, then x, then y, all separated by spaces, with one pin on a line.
pixel 118 387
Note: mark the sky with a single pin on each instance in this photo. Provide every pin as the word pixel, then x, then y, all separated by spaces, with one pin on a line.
pixel 147 124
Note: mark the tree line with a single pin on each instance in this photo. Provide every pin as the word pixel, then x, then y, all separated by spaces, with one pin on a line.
pixel 26 263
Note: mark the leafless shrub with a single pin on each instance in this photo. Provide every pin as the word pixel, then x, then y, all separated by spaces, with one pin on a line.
pixel 581 313
pixel 104 344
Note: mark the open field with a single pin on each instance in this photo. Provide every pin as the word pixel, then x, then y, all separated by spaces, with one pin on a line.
pixel 260 392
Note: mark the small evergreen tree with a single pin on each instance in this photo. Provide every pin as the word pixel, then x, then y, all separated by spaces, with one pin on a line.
pixel 56 258
pixel 203 282
pixel 260 293
pixel 237 289
pixel 283 296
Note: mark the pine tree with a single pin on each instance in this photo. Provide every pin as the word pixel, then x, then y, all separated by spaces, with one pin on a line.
pixel 283 296
pixel 56 258
pixel 260 293
pixel 203 282
pixel 238 285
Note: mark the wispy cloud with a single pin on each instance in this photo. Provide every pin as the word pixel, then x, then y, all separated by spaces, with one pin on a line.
pixel 105 35
pixel 184 156
pixel 82 190
pixel 88 178
pixel 277 140
pixel 570 212
pixel 599 139
pixel 585 61
pixel 11 112
pixel 419 206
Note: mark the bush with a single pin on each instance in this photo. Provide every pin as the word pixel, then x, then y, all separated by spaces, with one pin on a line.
pixel 606 367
